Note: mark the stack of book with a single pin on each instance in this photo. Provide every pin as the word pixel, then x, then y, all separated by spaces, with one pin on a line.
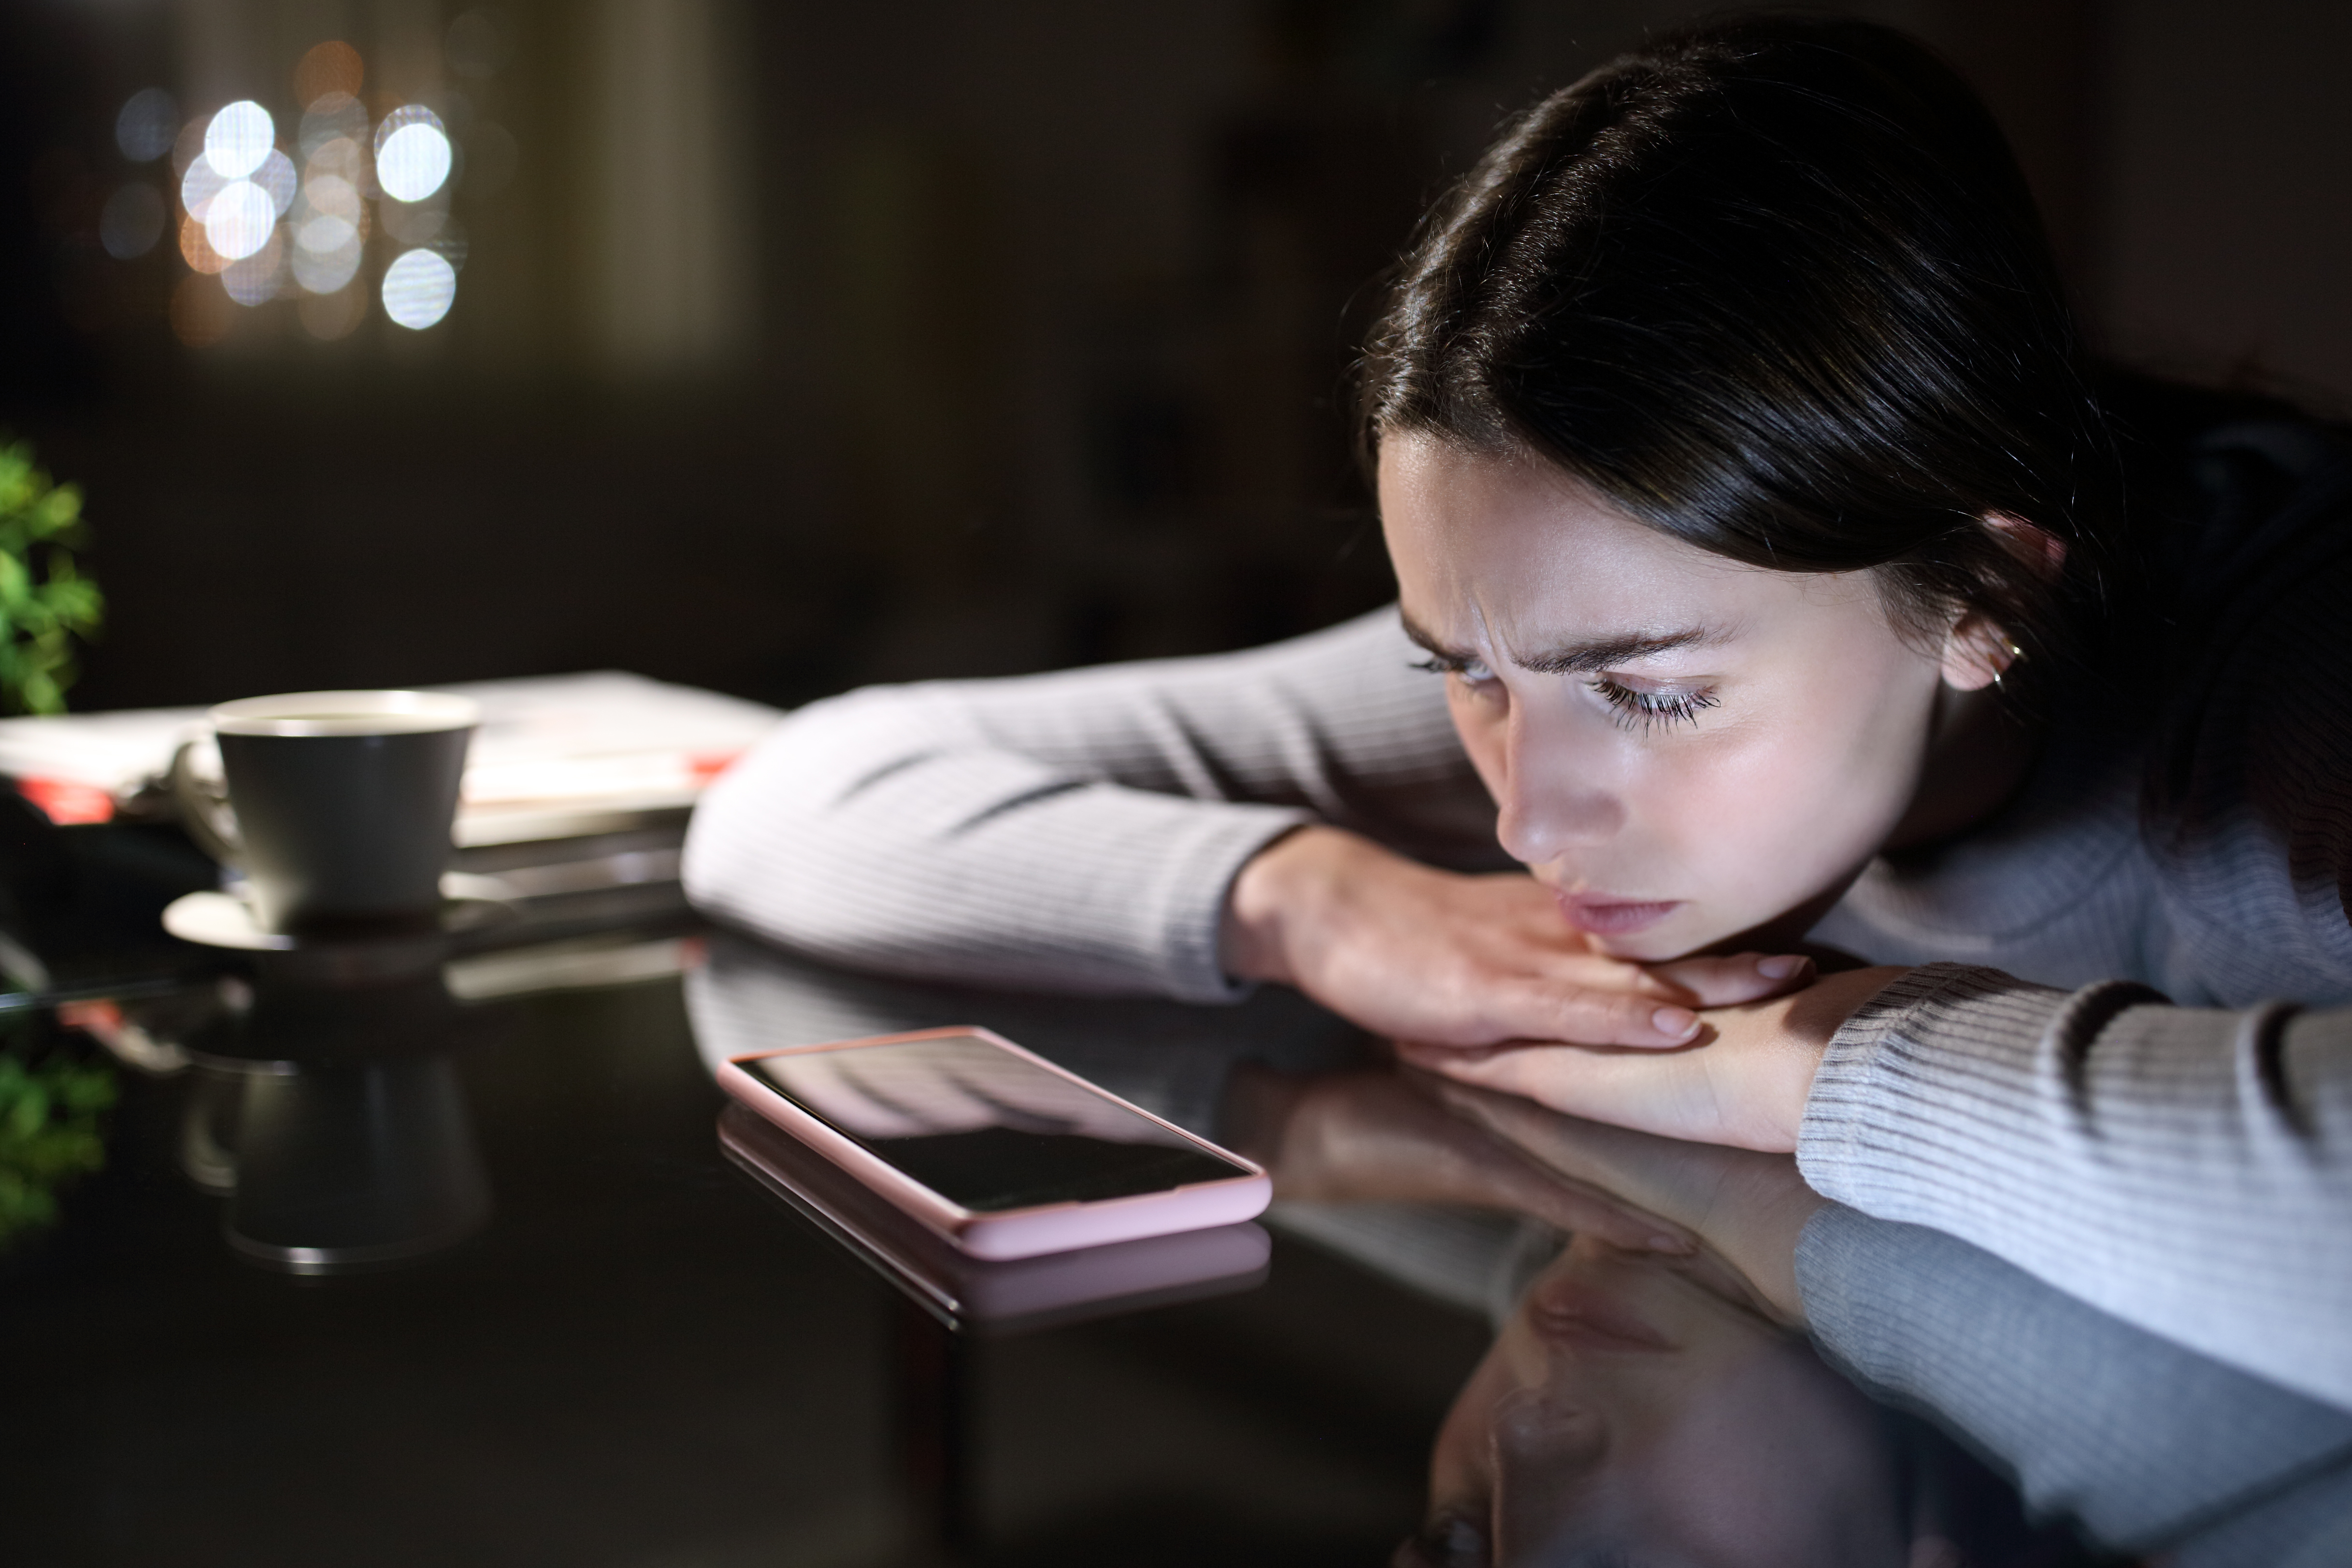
pixel 577 787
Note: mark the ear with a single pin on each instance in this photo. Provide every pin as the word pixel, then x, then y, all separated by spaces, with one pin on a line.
pixel 1976 652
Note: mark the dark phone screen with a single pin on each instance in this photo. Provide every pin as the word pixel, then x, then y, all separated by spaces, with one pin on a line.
pixel 985 1128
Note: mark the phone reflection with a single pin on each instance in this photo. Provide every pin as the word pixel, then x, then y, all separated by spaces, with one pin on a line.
pixel 979 1295
pixel 329 1112
pixel 947 1300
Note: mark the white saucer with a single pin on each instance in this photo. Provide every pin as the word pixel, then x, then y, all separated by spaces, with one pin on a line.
pixel 224 919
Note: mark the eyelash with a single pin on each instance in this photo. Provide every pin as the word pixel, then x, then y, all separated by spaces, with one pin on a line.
pixel 1636 711
pixel 1644 711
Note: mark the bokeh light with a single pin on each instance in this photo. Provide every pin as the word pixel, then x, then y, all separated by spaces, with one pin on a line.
pixel 239 138
pixel 201 314
pixel 325 271
pixel 417 223
pixel 330 316
pixel 330 196
pixel 412 154
pixel 330 223
pixel 146 125
pixel 277 176
pixel 199 186
pixel 341 159
pixel 239 219
pixel 325 234
pixel 418 289
pixel 196 249
pixel 333 66
pixel 132 220
pixel 337 117
pixel 261 277
pixel 259 223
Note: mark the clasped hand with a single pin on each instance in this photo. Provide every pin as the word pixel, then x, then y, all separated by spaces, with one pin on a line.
pixel 1480 979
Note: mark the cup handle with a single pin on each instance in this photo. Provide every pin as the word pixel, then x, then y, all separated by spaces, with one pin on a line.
pixel 205 813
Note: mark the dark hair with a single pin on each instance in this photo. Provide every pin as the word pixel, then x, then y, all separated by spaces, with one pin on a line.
pixel 1776 288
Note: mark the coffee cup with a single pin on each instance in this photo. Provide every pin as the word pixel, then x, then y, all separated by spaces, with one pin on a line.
pixel 340 803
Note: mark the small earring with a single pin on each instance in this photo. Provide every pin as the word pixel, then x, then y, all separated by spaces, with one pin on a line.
pixel 2014 654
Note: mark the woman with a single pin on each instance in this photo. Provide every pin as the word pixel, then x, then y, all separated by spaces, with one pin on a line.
pixel 1774 568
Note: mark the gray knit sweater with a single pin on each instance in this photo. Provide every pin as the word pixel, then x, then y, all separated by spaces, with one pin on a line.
pixel 2189 1169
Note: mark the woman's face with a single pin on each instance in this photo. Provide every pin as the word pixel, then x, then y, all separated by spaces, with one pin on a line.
pixel 1683 748
pixel 1627 1405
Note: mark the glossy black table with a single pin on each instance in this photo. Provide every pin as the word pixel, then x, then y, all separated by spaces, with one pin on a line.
pixel 438 1255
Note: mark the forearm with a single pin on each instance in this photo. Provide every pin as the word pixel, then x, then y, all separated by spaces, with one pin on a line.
pixel 2189 1170
pixel 1079 830
pixel 883 843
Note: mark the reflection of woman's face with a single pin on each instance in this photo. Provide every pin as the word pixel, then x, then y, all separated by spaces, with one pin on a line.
pixel 1626 1406
pixel 1682 747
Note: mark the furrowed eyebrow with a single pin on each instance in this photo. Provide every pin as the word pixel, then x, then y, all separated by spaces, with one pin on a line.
pixel 1577 659
pixel 1584 657
pixel 1423 639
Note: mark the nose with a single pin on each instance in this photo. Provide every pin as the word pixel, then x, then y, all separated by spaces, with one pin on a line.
pixel 1548 805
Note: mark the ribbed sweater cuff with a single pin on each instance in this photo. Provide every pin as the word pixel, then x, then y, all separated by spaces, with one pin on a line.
pixel 1945 1046
pixel 1196 881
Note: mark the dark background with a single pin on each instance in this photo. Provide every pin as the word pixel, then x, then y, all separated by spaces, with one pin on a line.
pixel 811 344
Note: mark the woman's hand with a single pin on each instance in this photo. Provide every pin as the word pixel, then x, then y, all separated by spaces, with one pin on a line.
pixel 1384 1137
pixel 1748 1208
pixel 1743 1082
pixel 1424 954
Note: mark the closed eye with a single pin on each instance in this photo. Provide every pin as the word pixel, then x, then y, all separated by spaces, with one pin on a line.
pixel 1643 711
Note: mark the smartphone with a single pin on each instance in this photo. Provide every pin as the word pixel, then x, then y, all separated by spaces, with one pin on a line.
pixel 990 1296
pixel 992 1147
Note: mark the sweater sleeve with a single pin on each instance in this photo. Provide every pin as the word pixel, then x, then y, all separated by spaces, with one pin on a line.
pixel 2188 1169
pixel 1078 831
pixel 2149 1446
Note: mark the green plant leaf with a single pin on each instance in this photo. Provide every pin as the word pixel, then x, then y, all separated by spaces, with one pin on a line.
pixel 44 606
pixel 60 510
pixel 28 1111
pixel 50 1129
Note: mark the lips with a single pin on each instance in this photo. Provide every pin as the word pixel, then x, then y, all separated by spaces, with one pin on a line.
pixel 1605 914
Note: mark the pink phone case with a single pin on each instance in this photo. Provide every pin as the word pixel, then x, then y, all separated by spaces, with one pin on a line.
pixel 1013 1233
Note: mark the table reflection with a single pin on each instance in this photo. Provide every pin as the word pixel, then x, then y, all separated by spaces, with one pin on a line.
pixel 2104 1438
pixel 346 1165
pixel 1688 1356
pixel 1651 1394
pixel 1696 1359
pixel 1629 1411
pixel 327 1108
